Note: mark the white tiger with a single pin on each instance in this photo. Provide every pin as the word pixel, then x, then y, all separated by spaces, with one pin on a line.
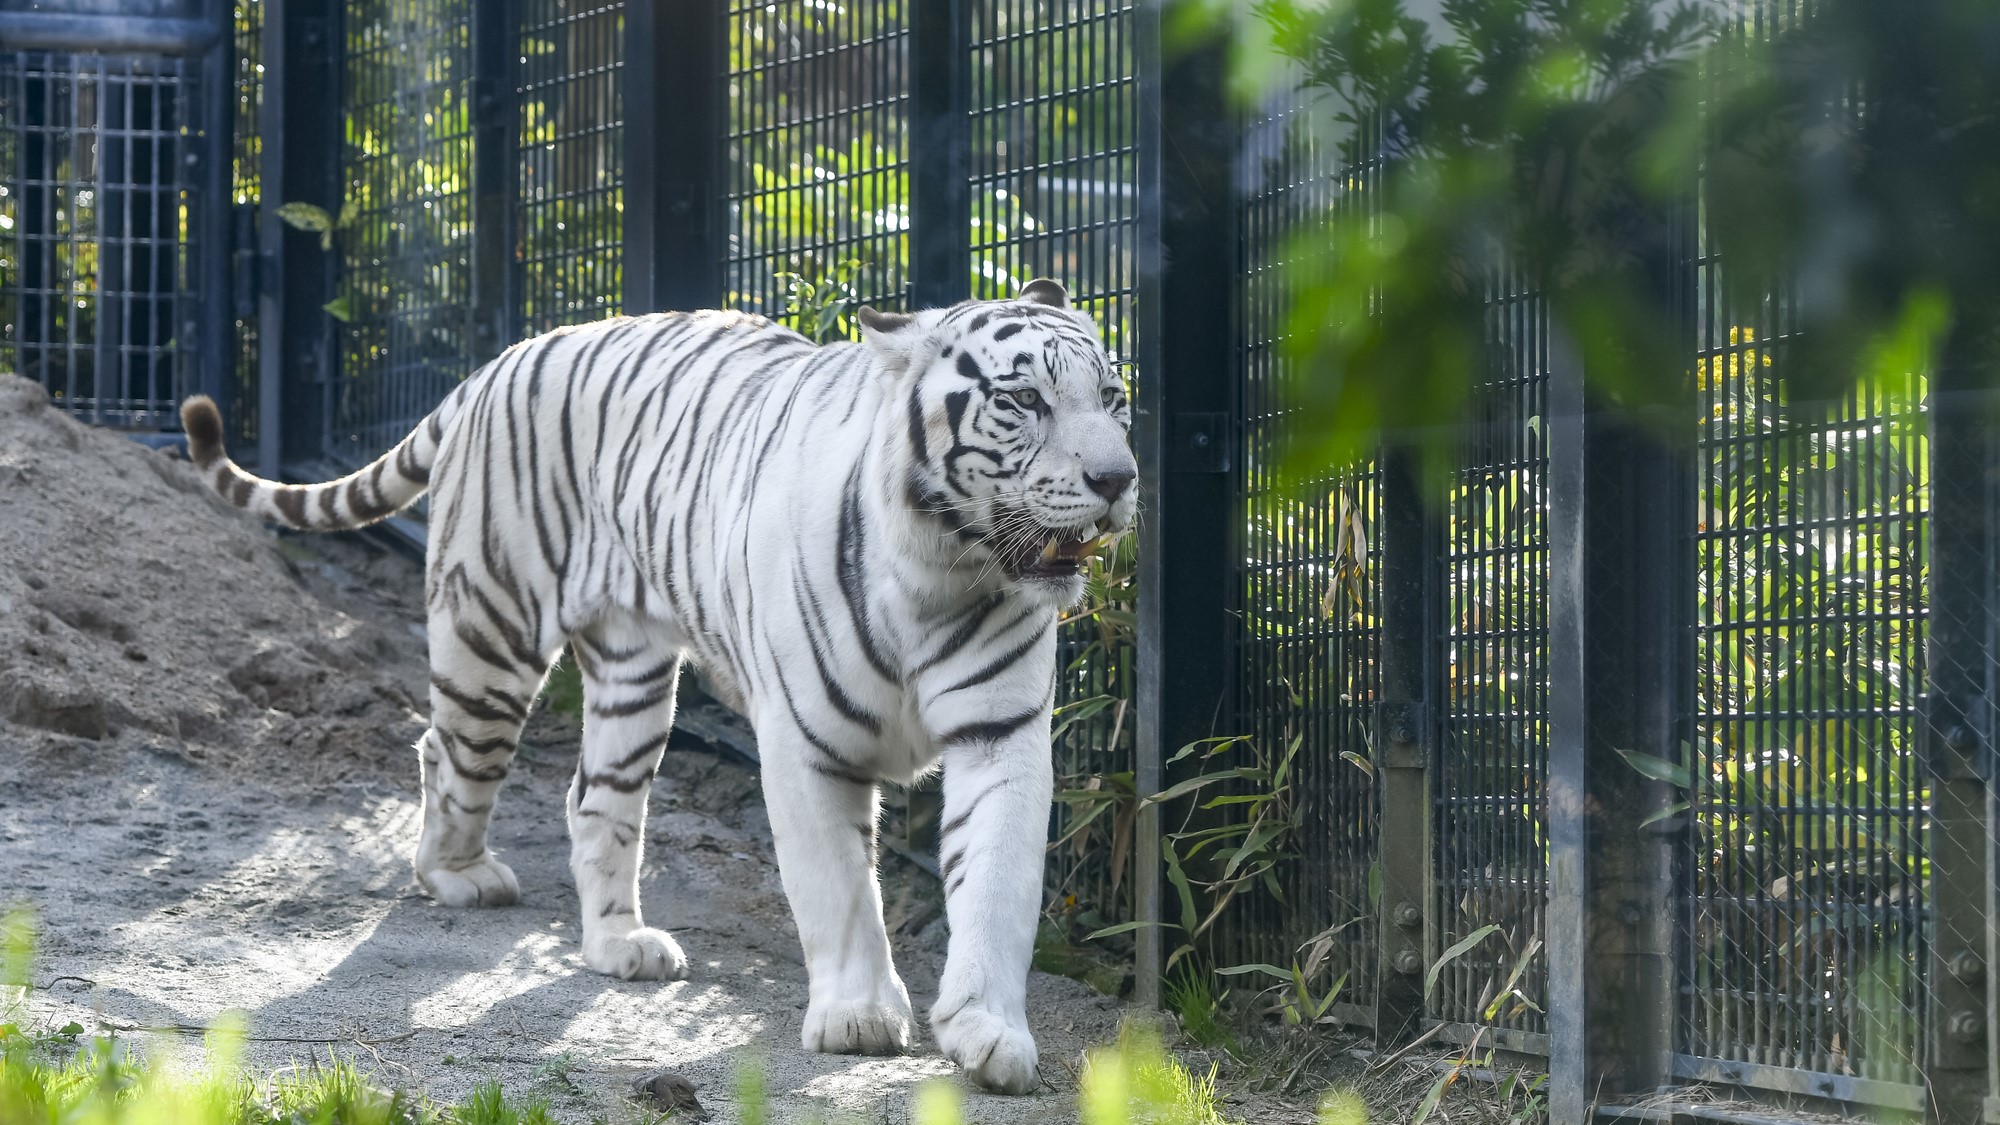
pixel 866 545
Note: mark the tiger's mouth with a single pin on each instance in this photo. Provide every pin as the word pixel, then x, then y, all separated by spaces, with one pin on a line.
pixel 1050 555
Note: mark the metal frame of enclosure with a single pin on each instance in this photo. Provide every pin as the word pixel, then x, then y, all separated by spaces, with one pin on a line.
pixel 1790 603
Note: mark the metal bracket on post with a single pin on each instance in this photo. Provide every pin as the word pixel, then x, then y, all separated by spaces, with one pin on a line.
pixel 1406 743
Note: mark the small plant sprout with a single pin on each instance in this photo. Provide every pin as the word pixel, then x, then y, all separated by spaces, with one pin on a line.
pixel 1136 1082
pixel 1342 1107
pixel 938 1103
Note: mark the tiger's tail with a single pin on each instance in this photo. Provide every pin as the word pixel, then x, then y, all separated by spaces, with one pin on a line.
pixel 386 486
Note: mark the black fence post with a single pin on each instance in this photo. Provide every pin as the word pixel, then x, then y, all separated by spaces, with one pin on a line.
pixel 496 166
pixel 674 245
pixel 302 159
pixel 214 349
pixel 1620 512
pixel 941 154
pixel 1406 741
pixel 940 62
pixel 1185 428
pixel 1958 740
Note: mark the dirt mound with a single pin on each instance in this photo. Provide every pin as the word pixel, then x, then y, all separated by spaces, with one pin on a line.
pixel 139 610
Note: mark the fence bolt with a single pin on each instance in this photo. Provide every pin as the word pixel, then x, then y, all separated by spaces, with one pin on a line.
pixel 1966 1027
pixel 1409 962
pixel 1408 916
pixel 1630 914
pixel 1958 738
pixel 1966 967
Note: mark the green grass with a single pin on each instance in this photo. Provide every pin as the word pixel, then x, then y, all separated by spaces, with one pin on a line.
pixel 1191 995
pixel 564 689
pixel 101 1082
pixel 60 1078
pixel 1136 1082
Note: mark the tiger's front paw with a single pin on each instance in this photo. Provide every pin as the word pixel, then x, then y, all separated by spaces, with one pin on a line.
pixel 998 1054
pixel 875 1025
pixel 643 954
pixel 483 882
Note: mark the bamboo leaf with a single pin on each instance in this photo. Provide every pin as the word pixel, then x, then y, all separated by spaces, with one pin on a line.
pixel 1514 977
pixel 1259 967
pixel 1179 880
pixel 1431 1099
pixel 1214 745
pixel 1191 785
pixel 306 217
pixel 1668 813
pixel 1659 769
pixel 1464 946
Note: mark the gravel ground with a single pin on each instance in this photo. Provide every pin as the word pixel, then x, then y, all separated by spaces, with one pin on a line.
pixel 169 894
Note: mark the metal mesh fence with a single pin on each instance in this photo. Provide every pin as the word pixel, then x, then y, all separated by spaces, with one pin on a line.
pixel 817 158
pixel 1054 153
pixel 1805 919
pixel 405 226
pixel 571 162
pixel 95 294
pixel 1308 642
pixel 1054 113
pixel 1490 781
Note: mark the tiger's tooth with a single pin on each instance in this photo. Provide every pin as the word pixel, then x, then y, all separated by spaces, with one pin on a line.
pixel 1049 550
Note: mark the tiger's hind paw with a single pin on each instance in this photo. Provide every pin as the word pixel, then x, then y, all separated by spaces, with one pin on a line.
pixel 642 954
pixel 484 882
pixel 997 1055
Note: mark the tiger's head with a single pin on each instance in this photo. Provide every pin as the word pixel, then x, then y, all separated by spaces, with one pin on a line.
pixel 1016 422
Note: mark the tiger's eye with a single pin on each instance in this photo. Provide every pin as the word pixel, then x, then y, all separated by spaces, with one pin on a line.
pixel 1110 397
pixel 1027 398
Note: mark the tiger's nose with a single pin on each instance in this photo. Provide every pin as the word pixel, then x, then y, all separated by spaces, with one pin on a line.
pixel 1110 485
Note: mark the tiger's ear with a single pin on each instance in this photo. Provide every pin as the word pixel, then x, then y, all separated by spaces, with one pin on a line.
pixel 1044 291
pixel 894 336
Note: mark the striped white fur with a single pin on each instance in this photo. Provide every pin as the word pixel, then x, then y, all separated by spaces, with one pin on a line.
pixel 865 545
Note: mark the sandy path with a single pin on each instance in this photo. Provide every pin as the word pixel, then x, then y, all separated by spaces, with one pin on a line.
pixel 177 895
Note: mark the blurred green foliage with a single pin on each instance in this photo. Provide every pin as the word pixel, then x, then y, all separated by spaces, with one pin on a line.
pixel 1852 155
pixel 1845 164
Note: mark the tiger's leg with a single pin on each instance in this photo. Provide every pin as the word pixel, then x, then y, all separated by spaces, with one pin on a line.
pixel 996 810
pixel 823 820
pixel 481 689
pixel 629 676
